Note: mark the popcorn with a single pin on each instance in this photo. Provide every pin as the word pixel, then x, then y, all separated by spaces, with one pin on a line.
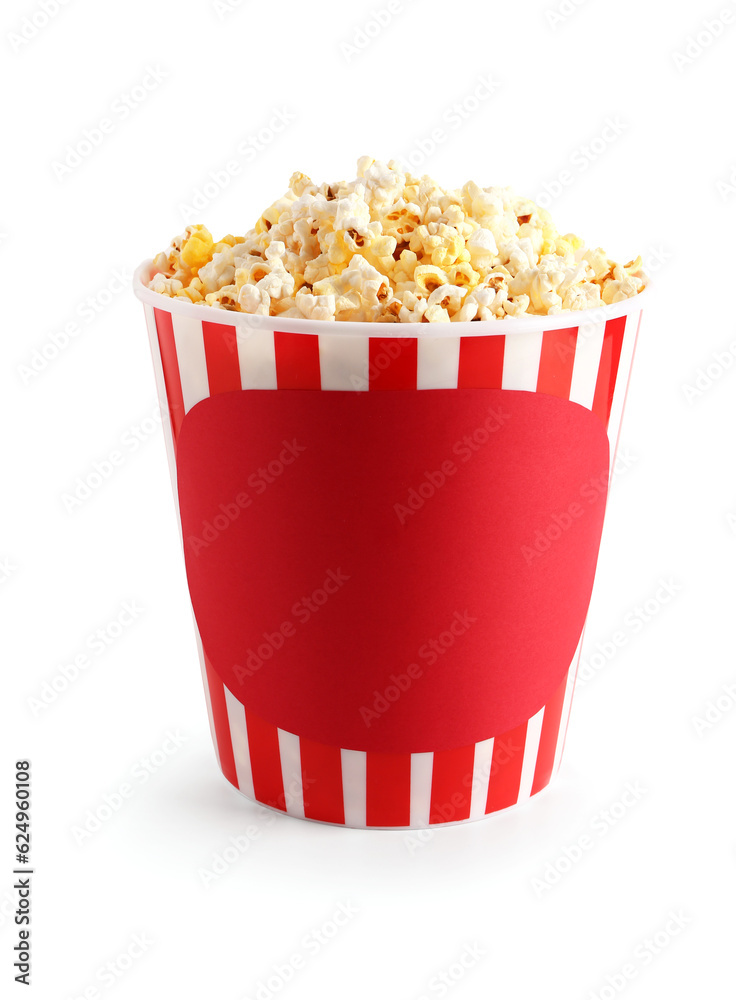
pixel 389 247
pixel 167 286
pixel 359 290
pixel 197 249
pixel 435 313
pixel 463 274
pixel 619 289
pixel 449 297
pixel 517 306
pixel 315 306
pixel 254 300
pixel 443 244
pixel 219 271
pixel 584 296
pixel 224 298
pixel 427 277
pixel 485 302
pixel 413 308
pixel 353 212
pixel 481 246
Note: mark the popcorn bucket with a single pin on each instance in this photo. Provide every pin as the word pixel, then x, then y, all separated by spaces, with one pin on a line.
pixel 390 535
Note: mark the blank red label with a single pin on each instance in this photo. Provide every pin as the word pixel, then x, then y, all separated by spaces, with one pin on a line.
pixel 395 571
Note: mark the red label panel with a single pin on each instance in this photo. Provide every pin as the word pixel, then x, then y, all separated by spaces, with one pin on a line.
pixel 397 571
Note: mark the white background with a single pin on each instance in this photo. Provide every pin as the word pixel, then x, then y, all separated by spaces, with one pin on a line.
pixel 653 190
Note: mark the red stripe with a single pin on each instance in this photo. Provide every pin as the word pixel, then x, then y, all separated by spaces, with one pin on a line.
pixel 170 362
pixel 392 362
pixel 388 788
pixel 222 724
pixel 556 362
pixel 297 360
pixel 608 368
pixel 322 781
pixel 221 354
pixel 508 757
pixel 452 781
pixel 548 738
pixel 265 761
pixel 481 362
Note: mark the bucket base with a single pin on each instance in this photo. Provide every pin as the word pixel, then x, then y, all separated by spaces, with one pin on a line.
pixel 442 824
pixel 386 791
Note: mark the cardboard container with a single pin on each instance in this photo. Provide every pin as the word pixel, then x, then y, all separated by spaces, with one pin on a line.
pixel 390 534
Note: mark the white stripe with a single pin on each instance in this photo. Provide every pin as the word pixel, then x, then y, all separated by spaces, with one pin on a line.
pixel 207 698
pixel 421 789
pixel 257 357
pixel 521 354
pixel 191 357
pixel 354 786
pixel 481 777
pixel 531 751
pixel 239 738
pixel 438 359
pixel 158 371
pixel 343 362
pixel 622 380
pixel 566 705
pixel 585 364
pixel 291 772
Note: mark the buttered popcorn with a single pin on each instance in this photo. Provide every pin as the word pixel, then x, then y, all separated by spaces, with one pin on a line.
pixel 388 247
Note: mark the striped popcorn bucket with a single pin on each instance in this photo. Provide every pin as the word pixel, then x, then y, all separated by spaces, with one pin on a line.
pixel 390 536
